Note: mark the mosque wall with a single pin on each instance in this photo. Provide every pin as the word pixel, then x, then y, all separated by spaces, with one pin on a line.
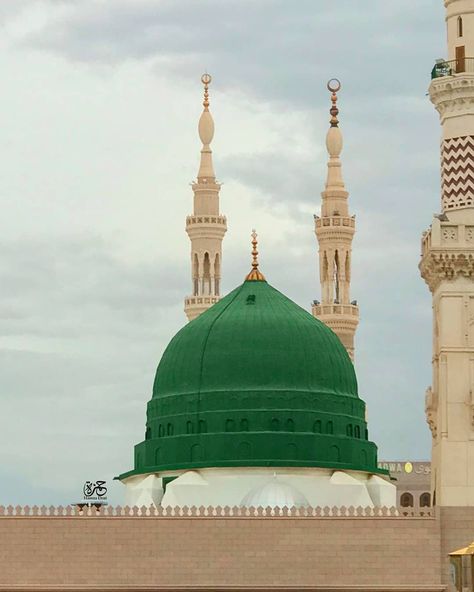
pixel 457 531
pixel 131 552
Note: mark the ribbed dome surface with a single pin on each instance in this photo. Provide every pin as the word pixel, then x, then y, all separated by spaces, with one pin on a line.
pixel 274 494
pixel 255 337
pixel 255 381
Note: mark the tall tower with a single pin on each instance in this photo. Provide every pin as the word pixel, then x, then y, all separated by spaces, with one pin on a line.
pixel 447 266
pixel 206 227
pixel 334 231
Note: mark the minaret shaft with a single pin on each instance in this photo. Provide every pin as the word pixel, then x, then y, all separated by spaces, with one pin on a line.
pixel 447 266
pixel 206 227
pixel 334 231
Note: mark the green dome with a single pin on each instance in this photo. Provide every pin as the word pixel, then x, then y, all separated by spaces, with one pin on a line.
pixel 255 381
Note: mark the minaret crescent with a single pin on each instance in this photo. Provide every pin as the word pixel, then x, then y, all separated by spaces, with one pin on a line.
pixel 206 227
pixel 335 230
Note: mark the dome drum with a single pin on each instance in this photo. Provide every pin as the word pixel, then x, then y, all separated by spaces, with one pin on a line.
pixel 281 449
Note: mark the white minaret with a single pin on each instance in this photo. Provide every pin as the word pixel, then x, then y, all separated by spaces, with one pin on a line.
pixel 447 266
pixel 206 227
pixel 335 231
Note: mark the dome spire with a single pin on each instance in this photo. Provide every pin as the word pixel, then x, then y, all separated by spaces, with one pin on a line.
pixel 206 133
pixel 255 275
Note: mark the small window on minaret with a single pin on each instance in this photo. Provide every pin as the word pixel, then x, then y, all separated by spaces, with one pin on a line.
pixel 460 32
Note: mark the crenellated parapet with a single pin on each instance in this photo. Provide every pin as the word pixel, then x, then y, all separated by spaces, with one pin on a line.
pixel 83 510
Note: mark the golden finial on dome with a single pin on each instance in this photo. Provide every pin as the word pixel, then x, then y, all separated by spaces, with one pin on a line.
pixel 334 86
pixel 255 275
pixel 206 79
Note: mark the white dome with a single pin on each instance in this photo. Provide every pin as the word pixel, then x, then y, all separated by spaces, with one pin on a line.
pixel 274 494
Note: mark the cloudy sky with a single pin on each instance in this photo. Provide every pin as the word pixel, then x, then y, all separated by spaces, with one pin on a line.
pixel 98 144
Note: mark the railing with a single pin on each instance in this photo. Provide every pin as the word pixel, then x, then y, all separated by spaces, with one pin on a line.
pixel 81 510
pixel 451 67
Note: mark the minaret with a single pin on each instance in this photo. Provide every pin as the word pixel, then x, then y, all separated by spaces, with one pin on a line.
pixel 334 231
pixel 206 227
pixel 447 266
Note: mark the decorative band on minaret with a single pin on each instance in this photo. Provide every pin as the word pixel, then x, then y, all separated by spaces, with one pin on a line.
pixel 206 227
pixel 335 230
pixel 447 266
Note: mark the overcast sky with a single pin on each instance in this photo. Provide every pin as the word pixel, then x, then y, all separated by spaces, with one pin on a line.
pixel 98 144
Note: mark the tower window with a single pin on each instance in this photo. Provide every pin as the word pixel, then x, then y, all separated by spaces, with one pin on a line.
pixel 460 26
pixel 329 427
pixel 170 429
pixel 357 431
pixel 406 500
pixel 425 500
pixel 317 426
pixel 349 430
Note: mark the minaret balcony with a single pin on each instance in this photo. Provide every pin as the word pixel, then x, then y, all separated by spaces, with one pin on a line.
pixel 323 310
pixel 443 68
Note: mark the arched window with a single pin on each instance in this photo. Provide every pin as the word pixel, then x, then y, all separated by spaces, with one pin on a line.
pixel 329 427
pixel 317 426
pixel 161 431
pixel 425 500
pixel 336 277
pixel 230 425
pixel 189 427
pixel 357 431
pixel 170 429
pixel 290 425
pixel 460 26
pixel 406 500
pixel 195 275
pixel 275 425
pixel 206 279
pixel 349 430
pixel 244 425
pixel 202 428
pixel 217 275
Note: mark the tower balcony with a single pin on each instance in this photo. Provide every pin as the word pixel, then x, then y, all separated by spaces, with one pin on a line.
pixel 336 310
pixel 443 68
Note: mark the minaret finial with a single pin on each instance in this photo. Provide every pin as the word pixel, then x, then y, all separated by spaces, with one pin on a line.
pixel 206 133
pixel 255 275
pixel 334 86
pixel 206 79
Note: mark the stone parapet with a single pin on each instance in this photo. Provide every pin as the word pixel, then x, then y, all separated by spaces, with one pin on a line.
pixel 91 510
pixel 295 552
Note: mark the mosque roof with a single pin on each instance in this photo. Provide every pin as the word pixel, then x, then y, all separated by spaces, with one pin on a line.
pixel 255 381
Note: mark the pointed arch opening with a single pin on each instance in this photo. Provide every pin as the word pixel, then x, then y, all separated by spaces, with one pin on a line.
pixel 206 275
pixel 217 275
pixel 195 275
pixel 460 26
pixel 336 277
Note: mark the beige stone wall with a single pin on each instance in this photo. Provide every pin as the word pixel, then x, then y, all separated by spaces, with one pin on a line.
pixel 138 552
pixel 457 531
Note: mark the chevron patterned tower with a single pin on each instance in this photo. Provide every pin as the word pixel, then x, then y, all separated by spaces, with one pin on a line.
pixel 334 231
pixel 447 266
pixel 206 227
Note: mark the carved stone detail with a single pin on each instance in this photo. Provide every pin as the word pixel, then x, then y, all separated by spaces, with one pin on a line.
pixel 431 411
